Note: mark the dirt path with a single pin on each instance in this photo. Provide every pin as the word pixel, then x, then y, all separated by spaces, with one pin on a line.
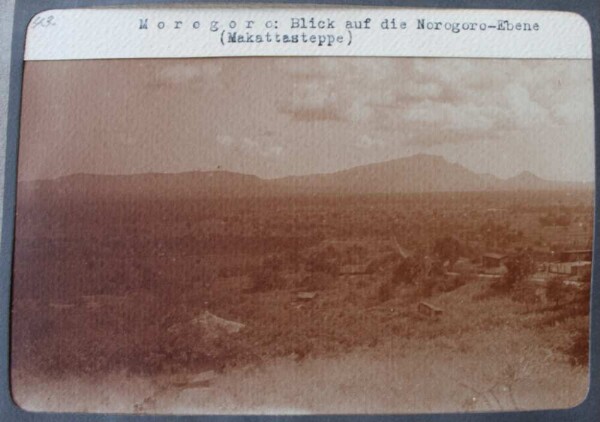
pixel 400 376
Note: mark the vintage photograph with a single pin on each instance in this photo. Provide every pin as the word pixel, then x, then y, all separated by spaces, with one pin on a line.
pixel 292 235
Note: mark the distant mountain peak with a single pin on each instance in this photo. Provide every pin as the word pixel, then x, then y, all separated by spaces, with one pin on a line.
pixel 416 173
pixel 527 178
pixel 426 157
pixel 526 174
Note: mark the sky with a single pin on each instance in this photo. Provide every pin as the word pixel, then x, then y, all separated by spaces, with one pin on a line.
pixel 277 116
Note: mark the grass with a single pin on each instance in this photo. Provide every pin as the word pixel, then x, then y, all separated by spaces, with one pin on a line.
pixel 479 355
pixel 400 375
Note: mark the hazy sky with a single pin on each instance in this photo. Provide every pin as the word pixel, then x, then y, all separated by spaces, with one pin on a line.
pixel 280 116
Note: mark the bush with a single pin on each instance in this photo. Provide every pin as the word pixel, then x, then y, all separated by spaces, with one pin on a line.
pixel 385 291
pixel 448 249
pixel 581 299
pixel 407 271
pixel 265 279
pixel 579 350
pixel 316 281
pixel 556 290
pixel 525 292
pixel 452 283
pixel 373 267
pixel 428 286
pixel 519 268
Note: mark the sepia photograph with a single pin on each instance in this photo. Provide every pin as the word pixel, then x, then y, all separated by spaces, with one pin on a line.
pixel 303 235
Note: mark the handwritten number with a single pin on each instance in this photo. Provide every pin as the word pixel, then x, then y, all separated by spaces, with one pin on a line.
pixel 43 22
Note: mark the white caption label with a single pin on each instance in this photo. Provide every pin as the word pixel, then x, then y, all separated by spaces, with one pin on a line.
pixel 254 31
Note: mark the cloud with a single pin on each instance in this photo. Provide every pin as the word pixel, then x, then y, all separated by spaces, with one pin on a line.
pixel 314 101
pixel 262 146
pixel 189 73
pixel 281 116
pixel 525 112
pixel 368 142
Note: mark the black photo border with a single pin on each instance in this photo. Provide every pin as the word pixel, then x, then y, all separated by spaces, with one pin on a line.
pixel 25 10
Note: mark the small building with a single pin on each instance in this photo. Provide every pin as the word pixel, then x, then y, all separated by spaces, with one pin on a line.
pixel 575 255
pixel 574 284
pixel 429 310
pixel 488 277
pixel 569 268
pixel 493 260
pixel 306 296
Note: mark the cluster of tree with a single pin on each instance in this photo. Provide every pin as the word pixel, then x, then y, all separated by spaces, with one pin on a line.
pixel 265 279
pixel 579 350
pixel 409 271
pixel 576 303
pixel 428 274
pixel 321 264
pixel 448 249
pixel 499 234
pixel 519 267
pixel 267 276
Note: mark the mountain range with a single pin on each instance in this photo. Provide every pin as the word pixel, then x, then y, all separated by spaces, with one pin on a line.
pixel 417 173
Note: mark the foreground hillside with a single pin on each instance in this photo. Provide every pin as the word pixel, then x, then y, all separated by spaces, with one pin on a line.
pixel 220 296
pixel 419 365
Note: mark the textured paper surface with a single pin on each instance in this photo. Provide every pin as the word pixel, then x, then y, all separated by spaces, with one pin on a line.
pixel 201 229
pixel 110 33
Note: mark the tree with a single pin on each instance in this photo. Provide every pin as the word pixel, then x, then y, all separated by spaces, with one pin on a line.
pixel 580 347
pixel 385 291
pixel 448 249
pixel 581 297
pixel 556 291
pixel 408 271
pixel 526 292
pixel 519 266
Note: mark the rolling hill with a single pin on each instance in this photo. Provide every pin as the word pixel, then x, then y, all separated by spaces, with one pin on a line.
pixel 417 173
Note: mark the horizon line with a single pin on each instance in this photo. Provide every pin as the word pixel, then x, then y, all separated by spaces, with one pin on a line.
pixel 218 169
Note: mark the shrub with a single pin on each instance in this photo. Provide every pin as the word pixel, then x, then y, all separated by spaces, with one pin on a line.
pixel 579 350
pixel 322 262
pixel 373 267
pixel 449 284
pixel 448 249
pixel 428 285
pixel 265 279
pixel 519 268
pixel 525 292
pixel 556 290
pixel 407 271
pixel 385 291
pixel 581 299
pixel 316 281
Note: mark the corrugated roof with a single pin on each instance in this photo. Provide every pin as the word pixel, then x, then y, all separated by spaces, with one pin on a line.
pixel 494 255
